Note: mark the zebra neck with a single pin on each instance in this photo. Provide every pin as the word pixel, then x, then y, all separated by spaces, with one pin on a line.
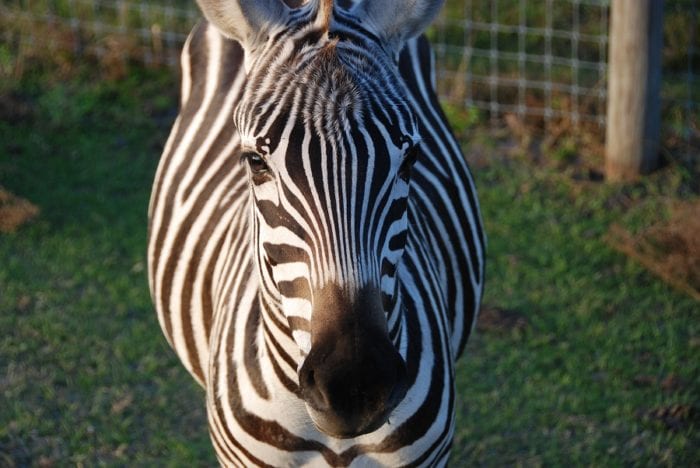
pixel 396 322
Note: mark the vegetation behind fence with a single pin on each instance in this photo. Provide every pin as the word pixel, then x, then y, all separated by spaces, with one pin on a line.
pixel 581 356
pixel 543 62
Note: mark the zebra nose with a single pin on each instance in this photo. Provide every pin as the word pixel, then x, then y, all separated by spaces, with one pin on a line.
pixel 351 383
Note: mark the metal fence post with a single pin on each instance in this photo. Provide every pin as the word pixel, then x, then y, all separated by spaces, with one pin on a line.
pixel 634 82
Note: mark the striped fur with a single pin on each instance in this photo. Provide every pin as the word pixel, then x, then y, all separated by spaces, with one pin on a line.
pixel 236 259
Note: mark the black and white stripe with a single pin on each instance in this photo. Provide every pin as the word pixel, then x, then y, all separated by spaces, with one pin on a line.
pixel 299 198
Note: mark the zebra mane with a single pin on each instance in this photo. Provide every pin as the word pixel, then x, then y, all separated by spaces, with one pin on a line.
pixel 325 12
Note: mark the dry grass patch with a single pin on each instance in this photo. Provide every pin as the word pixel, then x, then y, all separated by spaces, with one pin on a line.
pixel 494 319
pixel 669 249
pixel 14 211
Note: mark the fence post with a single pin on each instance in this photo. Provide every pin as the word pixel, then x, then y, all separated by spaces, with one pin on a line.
pixel 634 82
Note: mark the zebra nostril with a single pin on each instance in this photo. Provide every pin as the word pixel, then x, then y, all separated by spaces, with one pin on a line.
pixel 352 382
pixel 314 393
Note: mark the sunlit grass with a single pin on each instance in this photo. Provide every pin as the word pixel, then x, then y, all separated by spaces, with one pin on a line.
pixel 87 378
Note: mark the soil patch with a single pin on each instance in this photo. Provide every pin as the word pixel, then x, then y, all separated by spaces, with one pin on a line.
pixel 14 211
pixel 494 319
pixel 674 417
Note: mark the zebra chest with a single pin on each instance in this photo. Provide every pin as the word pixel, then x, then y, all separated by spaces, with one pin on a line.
pixel 256 412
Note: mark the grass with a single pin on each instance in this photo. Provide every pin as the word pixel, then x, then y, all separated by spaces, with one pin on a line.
pixel 601 368
pixel 581 382
pixel 85 377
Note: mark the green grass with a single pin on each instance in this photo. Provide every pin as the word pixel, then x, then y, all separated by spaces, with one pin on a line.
pixel 87 378
pixel 85 375
pixel 567 388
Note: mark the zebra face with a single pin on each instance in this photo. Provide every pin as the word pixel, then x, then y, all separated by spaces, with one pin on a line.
pixel 329 160
pixel 329 139
pixel 329 165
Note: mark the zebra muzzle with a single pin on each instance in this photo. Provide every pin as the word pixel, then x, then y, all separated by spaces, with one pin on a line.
pixel 353 377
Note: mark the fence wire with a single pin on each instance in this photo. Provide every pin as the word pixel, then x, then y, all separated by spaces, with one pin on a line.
pixel 150 32
pixel 540 59
pixel 543 61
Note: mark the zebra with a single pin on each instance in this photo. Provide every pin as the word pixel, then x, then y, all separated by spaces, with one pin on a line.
pixel 315 248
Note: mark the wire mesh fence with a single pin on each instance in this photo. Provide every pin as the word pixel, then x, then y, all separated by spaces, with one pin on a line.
pixel 540 59
pixel 543 61
pixel 150 32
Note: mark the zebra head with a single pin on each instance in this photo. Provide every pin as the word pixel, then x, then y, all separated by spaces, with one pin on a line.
pixel 329 139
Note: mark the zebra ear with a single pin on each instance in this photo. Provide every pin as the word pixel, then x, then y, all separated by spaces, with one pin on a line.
pixel 396 21
pixel 246 21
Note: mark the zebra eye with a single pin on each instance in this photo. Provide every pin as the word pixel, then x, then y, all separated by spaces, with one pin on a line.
pixel 257 164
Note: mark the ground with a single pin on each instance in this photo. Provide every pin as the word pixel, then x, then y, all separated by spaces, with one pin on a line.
pixel 582 354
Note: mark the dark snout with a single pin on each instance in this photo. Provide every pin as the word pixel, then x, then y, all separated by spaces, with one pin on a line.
pixel 352 381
